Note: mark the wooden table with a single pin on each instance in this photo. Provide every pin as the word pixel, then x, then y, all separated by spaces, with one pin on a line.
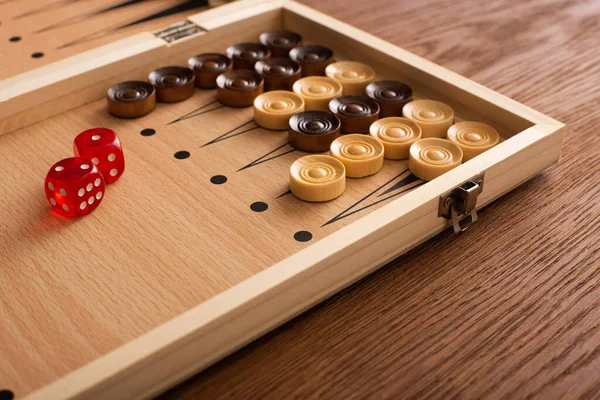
pixel 508 309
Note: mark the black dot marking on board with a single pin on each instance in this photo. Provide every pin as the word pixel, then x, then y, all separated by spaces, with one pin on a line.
pixel 15 39
pixel 147 132
pixel 182 155
pixel 37 54
pixel 259 206
pixel 6 395
pixel 218 179
pixel 303 236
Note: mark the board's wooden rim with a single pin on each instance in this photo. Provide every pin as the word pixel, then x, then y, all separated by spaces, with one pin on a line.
pixel 210 331
pixel 217 327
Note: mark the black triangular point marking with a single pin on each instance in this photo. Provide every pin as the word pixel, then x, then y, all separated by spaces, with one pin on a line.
pixel 407 182
pixel 199 111
pixel 44 8
pixel 234 132
pixel 286 148
pixel 90 14
pixel 289 191
pixel 399 185
pixel 185 6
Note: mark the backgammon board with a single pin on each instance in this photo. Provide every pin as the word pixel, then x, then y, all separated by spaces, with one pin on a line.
pixel 201 246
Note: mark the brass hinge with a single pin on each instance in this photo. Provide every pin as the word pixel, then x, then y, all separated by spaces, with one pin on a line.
pixel 178 31
pixel 459 203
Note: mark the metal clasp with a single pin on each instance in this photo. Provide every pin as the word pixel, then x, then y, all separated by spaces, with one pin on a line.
pixel 459 203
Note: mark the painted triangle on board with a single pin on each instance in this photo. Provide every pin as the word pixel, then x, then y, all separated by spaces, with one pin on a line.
pixel 399 184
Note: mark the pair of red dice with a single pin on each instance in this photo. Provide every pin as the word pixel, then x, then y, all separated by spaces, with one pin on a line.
pixel 76 185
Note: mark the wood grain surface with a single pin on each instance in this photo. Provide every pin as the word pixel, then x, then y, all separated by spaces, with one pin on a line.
pixel 76 289
pixel 56 29
pixel 510 309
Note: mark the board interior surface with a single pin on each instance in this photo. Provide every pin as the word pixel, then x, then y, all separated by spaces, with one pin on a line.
pixel 165 238
pixel 46 27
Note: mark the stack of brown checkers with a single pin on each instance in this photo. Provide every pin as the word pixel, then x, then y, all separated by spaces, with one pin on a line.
pixel 245 55
pixel 239 88
pixel 353 76
pixel 313 59
pixel 317 91
pixel 432 157
pixel 278 73
pixel 391 97
pixel 362 155
pixel 173 84
pixel 131 99
pixel 280 42
pixel 273 110
pixel 313 131
pixel 473 138
pixel 396 134
pixel 207 67
pixel 357 113
pixel 317 178
pixel 434 117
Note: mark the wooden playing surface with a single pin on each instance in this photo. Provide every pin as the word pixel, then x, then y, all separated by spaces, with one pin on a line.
pixel 62 28
pixel 508 310
pixel 283 359
pixel 203 205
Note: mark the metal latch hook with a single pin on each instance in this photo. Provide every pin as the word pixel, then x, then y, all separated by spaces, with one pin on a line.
pixel 459 203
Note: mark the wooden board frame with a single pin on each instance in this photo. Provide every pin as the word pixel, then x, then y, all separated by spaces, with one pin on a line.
pixel 208 332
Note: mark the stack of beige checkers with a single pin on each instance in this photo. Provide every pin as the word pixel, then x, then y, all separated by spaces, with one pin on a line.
pixel 324 105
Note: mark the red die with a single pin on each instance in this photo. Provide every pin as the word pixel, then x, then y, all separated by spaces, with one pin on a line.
pixel 103 147
pixel 74 186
